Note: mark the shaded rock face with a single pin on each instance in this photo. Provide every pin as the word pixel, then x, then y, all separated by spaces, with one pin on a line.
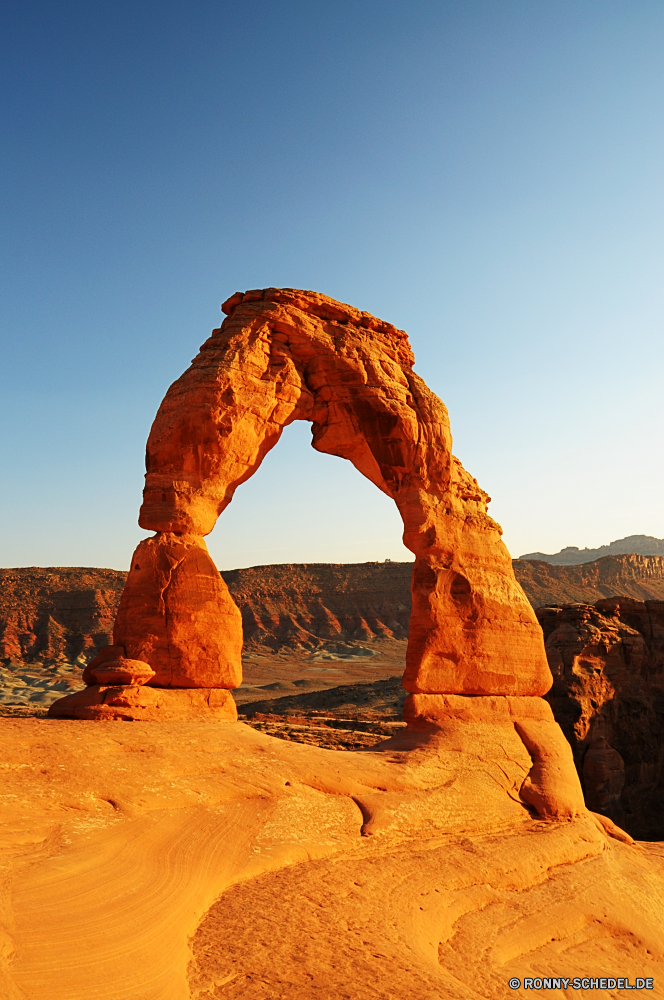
pixel 285 355
pixel 58 614
pixel 607 662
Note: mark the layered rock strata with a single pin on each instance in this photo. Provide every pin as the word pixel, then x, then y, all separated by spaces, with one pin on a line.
pixel 638 576
pixel 51 615
pixel 57 613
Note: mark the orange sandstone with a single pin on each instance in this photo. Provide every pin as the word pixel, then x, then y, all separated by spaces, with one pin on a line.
pixel 114 699
pixel 285 355
pixel 184 859
pixel 177 615
pixel 123 671
pixel 112 871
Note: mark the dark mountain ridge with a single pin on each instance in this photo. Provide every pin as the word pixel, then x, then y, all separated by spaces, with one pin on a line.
pixel 643 545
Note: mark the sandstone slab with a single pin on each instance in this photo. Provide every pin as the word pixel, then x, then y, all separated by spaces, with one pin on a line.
pixel 185 859
pixel 146 704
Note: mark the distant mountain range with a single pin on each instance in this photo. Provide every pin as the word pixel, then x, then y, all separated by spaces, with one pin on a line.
pixel 643 545
pixel 57 614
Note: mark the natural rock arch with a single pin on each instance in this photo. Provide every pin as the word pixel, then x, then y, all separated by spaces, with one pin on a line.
pixel 283 355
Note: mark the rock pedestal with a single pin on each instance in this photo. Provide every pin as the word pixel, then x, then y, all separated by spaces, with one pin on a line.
pixel 177 615
pixel 551 786
pixel 130 703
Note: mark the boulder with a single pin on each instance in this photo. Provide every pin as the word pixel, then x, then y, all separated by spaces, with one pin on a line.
pixel 123 671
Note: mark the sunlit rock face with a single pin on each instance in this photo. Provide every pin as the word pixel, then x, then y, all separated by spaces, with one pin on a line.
pixel 285 355
pixel 181 859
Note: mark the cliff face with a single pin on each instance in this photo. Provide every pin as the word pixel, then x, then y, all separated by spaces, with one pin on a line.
pixel 303 605
pixel 61 614
pixel 636 576
pixel 67 613
pixel 57 613
pixel 607 663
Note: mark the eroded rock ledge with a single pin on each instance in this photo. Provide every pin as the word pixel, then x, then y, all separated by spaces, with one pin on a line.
pixel 166 861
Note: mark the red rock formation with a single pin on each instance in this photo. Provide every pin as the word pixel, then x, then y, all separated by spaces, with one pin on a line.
pixel 177 615
pixel 58 613
pixel 608 695
pixel 122 671
pixel 551 786
pixel 302 606
pixel 285 355
pixel 146 704
pixel 62 614
pixel 632 575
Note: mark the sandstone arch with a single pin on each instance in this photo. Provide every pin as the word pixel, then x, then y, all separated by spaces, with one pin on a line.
pixel 283 355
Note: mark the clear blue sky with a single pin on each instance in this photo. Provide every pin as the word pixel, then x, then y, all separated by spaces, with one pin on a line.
pixel 487 176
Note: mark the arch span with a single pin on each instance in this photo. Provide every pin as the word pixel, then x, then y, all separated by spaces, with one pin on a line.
pixel 283 355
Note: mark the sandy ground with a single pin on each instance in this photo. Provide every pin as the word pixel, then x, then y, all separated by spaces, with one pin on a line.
pixel 327 669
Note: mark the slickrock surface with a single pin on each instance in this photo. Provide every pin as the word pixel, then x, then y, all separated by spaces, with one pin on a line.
pixel 169 861
pixel 58 615
pixel 283 355
pixel 607 662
